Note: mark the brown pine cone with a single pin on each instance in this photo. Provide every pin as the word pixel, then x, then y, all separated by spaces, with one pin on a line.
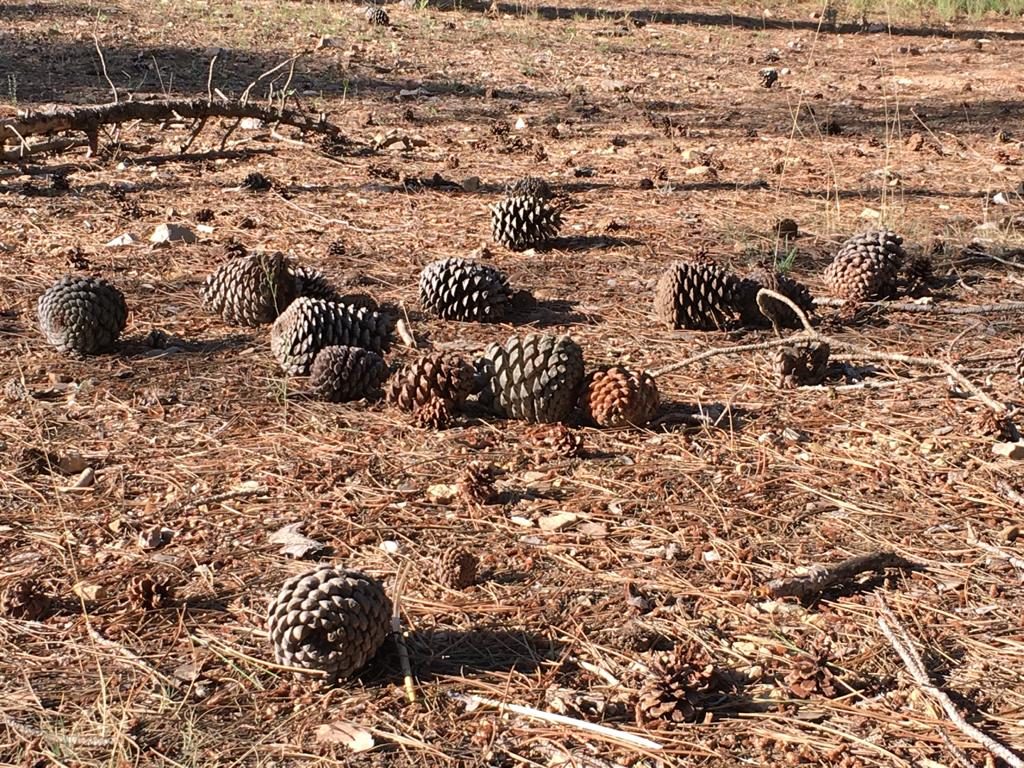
pixel 431 376
pixel 476 485
pixel 436 413
pixel 149 592
pixel 811 673
pixel 456 568
pixel 682 683
pixel 557 440
pixel 619 397
pixel 25 599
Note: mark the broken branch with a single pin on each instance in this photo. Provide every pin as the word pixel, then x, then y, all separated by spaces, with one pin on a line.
pixel 820 577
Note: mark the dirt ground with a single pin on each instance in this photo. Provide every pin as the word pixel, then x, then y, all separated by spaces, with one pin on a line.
pixel 652 117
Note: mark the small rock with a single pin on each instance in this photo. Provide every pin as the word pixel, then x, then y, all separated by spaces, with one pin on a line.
pixel 72 463
pixel 442 493
pixel 471 184
pixel 1013 451
pixel 122 240
pixel 520 124
pixel 172 233
pixel 557 521
pixel 87 591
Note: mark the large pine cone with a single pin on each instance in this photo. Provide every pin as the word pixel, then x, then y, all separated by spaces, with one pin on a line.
pixel 867 266
pixel 458 289
pixel 619 397
pixel 681 685
pixel 522 222
pixel 765 276
pixel 83 315
pixel 535 377
pixel 309 325
pixel 529 186
pixel 313 283
pixel 250 290
pixel 340 374
pixel 697 295
pixel 456 568
pixel 434 375
pixel 377 17
pixel 329 619
pixel 24 599
pixel 801 365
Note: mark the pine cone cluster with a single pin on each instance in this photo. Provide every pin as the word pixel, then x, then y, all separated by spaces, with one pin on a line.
pixel 557 440
pixel 459 289
pixel 803 365
pixel 867 266
pixel 433 375
pixel 309 325
pixel 476 484
pixel 766 276
pixel 619 397
pixel 681 685
pixel 524 221
pixel 456 568
pixel 536 377
pixel 341 373
pixel 25 599
pixel 82 315
pixel 329 619
pixel 434 414
pixel 250 290
pixel 697 295
pixel 149 592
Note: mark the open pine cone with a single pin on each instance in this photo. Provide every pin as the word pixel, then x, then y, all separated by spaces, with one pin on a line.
pixel 25 599
pixel 149 592
pixel 476 485
pixel 682 683
pixel 433 375
pixel 436 413
pixel 805 364
pixel 557 439
pixel 619 397
pixel 456 568
pixel 810 674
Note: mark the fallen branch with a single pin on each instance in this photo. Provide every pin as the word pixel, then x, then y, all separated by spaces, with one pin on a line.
pixel 31 732
pixel 904 646
pixel 939 309
pixel 89 118
pixel 820 577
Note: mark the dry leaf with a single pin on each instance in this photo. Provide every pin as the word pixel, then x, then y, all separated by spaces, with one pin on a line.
pixel 557 521
pixel 354 737
pixel 295 544
pixel 154 537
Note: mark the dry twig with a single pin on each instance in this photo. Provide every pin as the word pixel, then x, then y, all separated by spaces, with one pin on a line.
pixel 820 577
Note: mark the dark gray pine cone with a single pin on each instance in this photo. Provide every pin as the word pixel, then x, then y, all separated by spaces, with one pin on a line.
pixel 432 375
pixel 313 283
pixel 250 290
pixel 309 325
pixel 535 378
pixel 329 619
pixel 697 295
pixel 459 289
pixel 765 276
pixel 521 221
pixel 457 567
pixel 83 315
pixel 377 17
pixel 867 266
pixel 532 186
pixel 801 365
pixel 340 374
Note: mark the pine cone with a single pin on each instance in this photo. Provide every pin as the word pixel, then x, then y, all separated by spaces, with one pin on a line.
pixel 535 377
pixel 811 674
pixel 529 186
pixel 149 592
pixel 15 390
pixel 523 222
pixel 433 375
pixel 311 282
pixel 436 413
pixel 765 276
pixel 769 76
pixel 456 568
pixel 250 290
pixel 804 365
pixel 476 485
pixel 697 295
pixel 377 17
pixel 309 325
pixel 329 619
pixel 682 683
pixel 458 289
pixel 339 374
pixel 1020 366
pixel 619 397
pixel 25 599
pixel 558 440
pixel 83 315
pixel 235 250
pixel 867 266
pixel 256 182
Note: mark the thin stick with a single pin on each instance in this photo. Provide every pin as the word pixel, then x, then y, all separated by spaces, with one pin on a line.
pixel 103 66
pixel 974 541
pixel 820 577
pixel 209 80
pixel 218 497
pixel 623 737
pixel 972 309
pixel 904 646
pixel 396 629
pixel 31 732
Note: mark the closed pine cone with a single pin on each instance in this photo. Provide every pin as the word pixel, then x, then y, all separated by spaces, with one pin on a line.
pixel 311 282
pixel 309 325
pixel 1020 366
pixel 456 568
pixel 25 599
pixel 803 365
pixel 476 485
pixel 558 440
pixel 697 295
pixel 436 413
pixel 619 397
pixel 682 683
pixel 520 222
pixel 533 186
pixel 460 289
pixel 329 619
pixel 343 373
pixel 867 266
pixel 433 375
pixel 149 592
pixel 82 315
pixel 250 290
